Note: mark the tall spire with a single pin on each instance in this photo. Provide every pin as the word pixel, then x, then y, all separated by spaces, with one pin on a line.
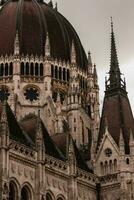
pixel 115 80
pixel 115 74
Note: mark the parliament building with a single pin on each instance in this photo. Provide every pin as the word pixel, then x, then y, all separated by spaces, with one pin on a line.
pixel 54 145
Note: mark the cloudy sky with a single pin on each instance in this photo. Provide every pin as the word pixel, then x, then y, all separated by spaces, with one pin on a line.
pixel 91 19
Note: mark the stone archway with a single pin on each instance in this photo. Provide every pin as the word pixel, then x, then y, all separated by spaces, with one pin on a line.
pixel 25 193
pixel 48 197
pixel 13 192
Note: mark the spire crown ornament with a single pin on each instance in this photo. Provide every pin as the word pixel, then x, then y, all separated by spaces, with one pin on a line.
pixel 16 44
pixel 47 46
pixel 73 53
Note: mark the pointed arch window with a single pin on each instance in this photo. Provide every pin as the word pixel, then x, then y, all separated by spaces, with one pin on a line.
pixel 64 74
pixel 22 68
pixel 1 69
pixel 48 197
pixel 13 193
pixel 41 69
pixel 56 72
pixel 11 69
pixel 32 69
pixel 25 193
pixel 27 68
pixel 52 71
pixel 36 69
pixel 60 71
pixel 6 69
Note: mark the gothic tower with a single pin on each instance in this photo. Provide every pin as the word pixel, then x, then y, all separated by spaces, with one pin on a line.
pixel 115 140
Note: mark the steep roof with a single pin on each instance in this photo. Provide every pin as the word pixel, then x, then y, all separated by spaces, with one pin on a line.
pixel 118 114
pixel 16 133
pixel 62 142
pixel 29 124
pixel 116 107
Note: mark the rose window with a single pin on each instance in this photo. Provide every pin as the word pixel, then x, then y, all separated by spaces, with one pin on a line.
pixel 108 152
pixel 31 94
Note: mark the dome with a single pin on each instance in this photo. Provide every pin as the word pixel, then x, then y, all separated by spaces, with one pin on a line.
pixel 33 20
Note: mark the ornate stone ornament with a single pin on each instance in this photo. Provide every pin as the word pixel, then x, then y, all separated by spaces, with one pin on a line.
pixel 108 152
pixel 31 94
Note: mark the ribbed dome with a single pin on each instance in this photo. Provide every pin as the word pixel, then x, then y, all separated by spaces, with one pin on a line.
pixel 33 20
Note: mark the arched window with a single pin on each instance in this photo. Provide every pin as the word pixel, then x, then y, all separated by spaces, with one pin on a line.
pixel 60 198
pixel 41 69
pixel 48 196
pixel 11 69
pixel 32 69
pixel 25 193
pixel 56 72
pixel 64 74
pixel 36 69
pixel 6 69
pixel 110 166
pixel 13 193
pixel 60 76
pixel 27 68
pixel 81 81
pixel 106 167
pixel 22 69
pixel 1 69
pixel 115 165
pixel 127 161
pixel 52 71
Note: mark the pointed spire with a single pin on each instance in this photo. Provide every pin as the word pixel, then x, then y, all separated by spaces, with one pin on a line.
pixel 115 80
pixel 95 72
pixel 115 75
pixel 58 98
pixel 47 46
pixel 58 104
pixel 16 44
pixel 56 6
pixel 50 3
pixel 121 143
pixel 90 65
pixel 71 156
pixel 73 53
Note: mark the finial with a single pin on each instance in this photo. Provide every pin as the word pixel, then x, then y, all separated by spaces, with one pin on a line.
pixel 111 24
pixel 58 98
pixel 16 44
pixel 50 3
pixel 95 71
pixel 89 58
pixel 73 53
pixel 56 6
pixel 47 46
pixel 90 65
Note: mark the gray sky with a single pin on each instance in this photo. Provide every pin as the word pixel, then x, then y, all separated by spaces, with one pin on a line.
pixel 91 20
